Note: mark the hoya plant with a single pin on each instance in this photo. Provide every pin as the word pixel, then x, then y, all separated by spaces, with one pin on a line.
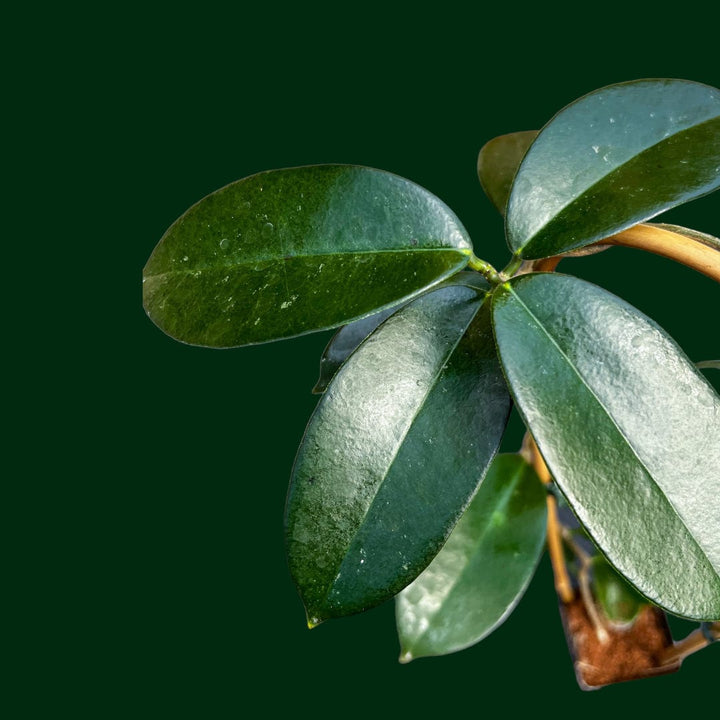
pixel 398 490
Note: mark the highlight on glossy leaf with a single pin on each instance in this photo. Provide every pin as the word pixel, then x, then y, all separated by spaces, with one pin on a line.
pixel 610 400
pixel 348 338
pixel 483 569
pixel 612 159
pixel 498 161
pixel 292 251
pixel 393 453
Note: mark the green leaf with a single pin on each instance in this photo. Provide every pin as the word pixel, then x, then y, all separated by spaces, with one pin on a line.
pixel 498 162
pixel 618 600
pixel 628 427
pixel 347 338
pixel 287 252
pixel 612 159
pixel 481 573
pixel 393 453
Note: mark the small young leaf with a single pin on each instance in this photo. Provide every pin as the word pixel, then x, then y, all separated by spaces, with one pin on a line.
pixel 628 427
pixel 287 252
pixel 498 162
pixel 393 453
pixel 611 160
pixel 481 573
pixel 347 338
pixel 619 601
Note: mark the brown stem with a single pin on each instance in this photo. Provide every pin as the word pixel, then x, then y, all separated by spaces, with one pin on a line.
pixel 695 641
pixel 681 248
pixel 563 585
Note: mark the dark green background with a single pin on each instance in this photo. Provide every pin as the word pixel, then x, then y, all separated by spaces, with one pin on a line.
pixel 152 548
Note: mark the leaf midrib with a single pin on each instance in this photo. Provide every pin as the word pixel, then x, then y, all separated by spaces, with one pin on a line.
pixel 191 269
pixel 614 424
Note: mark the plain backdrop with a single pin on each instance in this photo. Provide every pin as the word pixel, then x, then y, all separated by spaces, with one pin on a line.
pixel 149 541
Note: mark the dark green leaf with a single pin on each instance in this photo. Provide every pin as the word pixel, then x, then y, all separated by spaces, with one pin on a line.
pixel 481 573
pixel 346 340
pixel 498 162
pixel 394 452
pixel 292 251
pixel 612 159
pixel 628 427
pixel 618 600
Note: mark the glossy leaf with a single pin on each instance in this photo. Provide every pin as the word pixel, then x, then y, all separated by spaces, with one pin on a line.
pixel 613 159
pixel 481 573
pixel 498 162
pixel 346 340
pixel 288 252
pixel 394 452
pixel 619 601
pixel 628 427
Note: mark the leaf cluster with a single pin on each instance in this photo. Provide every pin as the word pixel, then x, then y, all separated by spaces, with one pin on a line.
pixel 398 489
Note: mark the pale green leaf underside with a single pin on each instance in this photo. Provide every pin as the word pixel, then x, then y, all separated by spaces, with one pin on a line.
pixel 481 573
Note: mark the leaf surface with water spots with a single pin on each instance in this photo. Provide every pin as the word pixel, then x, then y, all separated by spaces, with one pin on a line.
pixel 287 252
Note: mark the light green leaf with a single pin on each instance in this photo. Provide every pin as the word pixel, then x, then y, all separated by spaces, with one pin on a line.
pixel 619 601
pixel 393 453
pixel 613 159
pixel 481 573
pixel 498 162
pixel 346 340
pixel 287 252
pixel 628 427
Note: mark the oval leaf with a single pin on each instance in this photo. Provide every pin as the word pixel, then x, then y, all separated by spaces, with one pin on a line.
pixel 628 427
pixel 394 452
pixel 612 159
pixel 346 339
pixel 287 252
pixel 481 573
pixel 619 601
pixel 498 162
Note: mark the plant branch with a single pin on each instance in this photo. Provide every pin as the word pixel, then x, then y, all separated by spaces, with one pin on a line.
pixel 696 640
pixel 681 248
pixel 563 585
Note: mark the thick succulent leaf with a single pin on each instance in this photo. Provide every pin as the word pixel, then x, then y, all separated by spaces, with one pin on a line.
pixel 288 252
pixel 612 159
pixel 498 162
pixel 394 452
pixel 481 573
pixel 628 427
pixel 347 338
pixel 619 601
